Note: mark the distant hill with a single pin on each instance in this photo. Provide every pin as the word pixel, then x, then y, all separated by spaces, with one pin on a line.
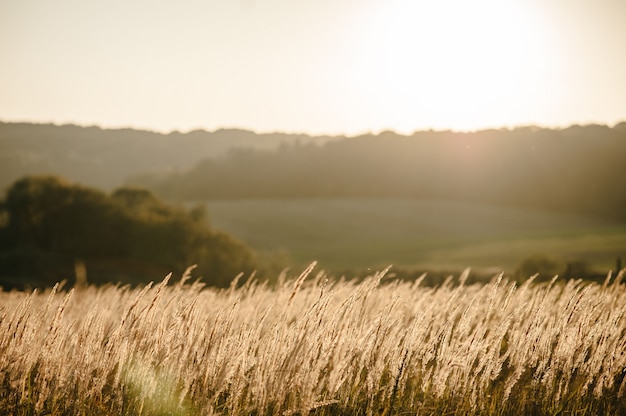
pixel 580 170
pixel 106 158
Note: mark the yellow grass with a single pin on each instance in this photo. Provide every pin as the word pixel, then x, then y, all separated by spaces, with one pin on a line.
pixel 313 346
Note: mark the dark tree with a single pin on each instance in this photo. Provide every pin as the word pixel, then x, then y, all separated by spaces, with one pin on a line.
pixel 50 224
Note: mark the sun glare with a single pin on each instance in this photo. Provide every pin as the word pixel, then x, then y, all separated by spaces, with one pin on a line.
pixel 452 60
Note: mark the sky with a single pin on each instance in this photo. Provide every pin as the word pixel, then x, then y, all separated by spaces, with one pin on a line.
pixel 313 66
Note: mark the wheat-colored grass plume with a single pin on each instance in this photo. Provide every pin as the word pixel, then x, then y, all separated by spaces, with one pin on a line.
pixel 316 346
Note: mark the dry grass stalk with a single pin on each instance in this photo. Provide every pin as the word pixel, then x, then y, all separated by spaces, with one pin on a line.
pixel 316 347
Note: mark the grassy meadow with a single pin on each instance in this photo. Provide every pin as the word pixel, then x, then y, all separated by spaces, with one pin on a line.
pixel 378 346
pixel 360 233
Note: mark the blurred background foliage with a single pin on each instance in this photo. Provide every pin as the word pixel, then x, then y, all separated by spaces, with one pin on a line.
pixel 52 225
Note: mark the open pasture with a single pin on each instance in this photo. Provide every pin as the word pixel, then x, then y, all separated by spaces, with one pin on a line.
pixel 361 233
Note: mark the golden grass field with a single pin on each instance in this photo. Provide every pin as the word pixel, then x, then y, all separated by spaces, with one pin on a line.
pixel 311 345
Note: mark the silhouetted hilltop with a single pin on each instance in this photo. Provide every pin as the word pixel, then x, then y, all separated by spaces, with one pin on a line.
pixel 106 157
pixel 579 169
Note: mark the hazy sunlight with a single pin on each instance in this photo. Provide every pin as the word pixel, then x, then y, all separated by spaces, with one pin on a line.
pixel 317 67
pixel 458 61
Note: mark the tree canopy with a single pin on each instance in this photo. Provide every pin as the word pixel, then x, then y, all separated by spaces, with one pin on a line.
pixel 49 224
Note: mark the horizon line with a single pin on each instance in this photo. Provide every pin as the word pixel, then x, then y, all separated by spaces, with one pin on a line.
pixel 312 135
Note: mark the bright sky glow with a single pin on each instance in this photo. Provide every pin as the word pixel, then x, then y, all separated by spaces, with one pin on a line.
pixel 314 66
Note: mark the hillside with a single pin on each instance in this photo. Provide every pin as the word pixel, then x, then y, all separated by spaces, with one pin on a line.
pixel 349 234
pixel 107 157
pixel 578 170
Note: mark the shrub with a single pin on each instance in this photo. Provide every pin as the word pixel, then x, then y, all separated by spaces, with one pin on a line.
pixel 129 235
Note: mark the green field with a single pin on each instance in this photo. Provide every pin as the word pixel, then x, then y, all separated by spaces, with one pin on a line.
pixel 348 234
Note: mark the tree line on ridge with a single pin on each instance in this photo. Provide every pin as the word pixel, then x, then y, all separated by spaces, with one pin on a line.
pixel 581 170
